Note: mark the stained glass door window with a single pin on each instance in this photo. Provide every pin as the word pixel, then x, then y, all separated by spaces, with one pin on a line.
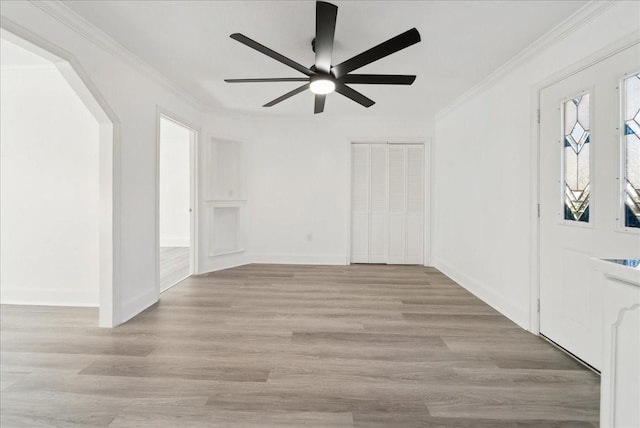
pixel 577 139
pixel 631 145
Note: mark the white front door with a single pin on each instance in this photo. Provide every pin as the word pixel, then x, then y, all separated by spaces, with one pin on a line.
pixel 581 201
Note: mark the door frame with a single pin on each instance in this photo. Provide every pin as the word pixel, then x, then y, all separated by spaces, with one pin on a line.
pixel 427 183
pixel 193 192
pixel 593 59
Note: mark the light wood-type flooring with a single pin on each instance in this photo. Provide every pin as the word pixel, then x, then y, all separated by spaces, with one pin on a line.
pixel 174 265
pixel 293 346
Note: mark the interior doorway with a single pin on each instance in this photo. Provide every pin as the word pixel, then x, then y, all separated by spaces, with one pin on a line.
pixel 176 197
pixel 52 165
pixel 59 181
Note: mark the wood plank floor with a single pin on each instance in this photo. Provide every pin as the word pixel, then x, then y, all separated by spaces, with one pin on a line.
pixel 279 345
pixel 174 265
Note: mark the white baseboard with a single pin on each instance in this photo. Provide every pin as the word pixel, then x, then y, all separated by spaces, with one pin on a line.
pixel 485 293
pixel 138 304
pixel 175 241
pixel 228 261
pixel 297 259
pixel 224 261
pixel 44 297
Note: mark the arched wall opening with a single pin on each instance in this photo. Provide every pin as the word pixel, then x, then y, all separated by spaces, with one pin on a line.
pixel 100 265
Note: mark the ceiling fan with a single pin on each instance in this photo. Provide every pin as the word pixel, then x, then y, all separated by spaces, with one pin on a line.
pixel 322 77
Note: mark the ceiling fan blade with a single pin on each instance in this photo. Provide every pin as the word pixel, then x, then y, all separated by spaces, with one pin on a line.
pixel 275 79
pixel 326 14
pixel 271 53
pixel 354 95
pixel 379 79
pixel 392 45
pixel 287 95
pixel 319 103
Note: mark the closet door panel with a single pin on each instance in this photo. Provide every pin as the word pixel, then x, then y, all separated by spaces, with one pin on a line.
pixel 387 203
pixel 360 203
pixel 360 238
pixel 397 239
pixel 397 204
pixel 415 204
pixel 415 235
pixel 378 204
pixel 377 241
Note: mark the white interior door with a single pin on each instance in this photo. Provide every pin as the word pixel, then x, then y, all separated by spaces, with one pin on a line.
pixel 378 204
pixel 406 203
pixel 397 204
pixel 369 203
pixel 415 204
pixel 580 200
pixel 387 203
pixel 360 203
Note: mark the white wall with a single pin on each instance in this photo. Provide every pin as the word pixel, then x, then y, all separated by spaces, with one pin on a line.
pixel 175 184
pixel 299 180
pixel 297 176
pixel 49 199
pixel 133 95
pixel 483 201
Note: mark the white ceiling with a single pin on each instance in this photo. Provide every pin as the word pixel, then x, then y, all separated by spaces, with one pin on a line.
pixel 462 43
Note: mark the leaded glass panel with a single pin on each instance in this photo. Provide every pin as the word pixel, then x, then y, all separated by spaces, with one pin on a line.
pixel 631 115
pixel 577 139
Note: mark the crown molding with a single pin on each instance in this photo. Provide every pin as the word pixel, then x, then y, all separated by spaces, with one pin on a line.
pixel 32 67
pixel 88 31
pixel 96 36
pixel 583 15
pixel 310 117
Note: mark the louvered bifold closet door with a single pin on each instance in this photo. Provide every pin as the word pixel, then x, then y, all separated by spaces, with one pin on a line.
pixel 378 204
pixel 415 204
pixel 360 174
pixel 397 204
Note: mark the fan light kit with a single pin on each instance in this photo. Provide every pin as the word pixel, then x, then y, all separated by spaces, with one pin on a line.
pixel 322 86
pixel 323 78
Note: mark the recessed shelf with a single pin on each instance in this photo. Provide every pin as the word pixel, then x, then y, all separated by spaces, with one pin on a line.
pixel 225 238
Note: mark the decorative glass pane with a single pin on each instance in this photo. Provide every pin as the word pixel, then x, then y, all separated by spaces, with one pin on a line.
pixel 577 137
pixel 631 183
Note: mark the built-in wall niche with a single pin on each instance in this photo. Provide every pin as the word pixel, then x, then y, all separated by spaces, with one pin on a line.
pixel 225 237
pixel 226 180
pixel 225 197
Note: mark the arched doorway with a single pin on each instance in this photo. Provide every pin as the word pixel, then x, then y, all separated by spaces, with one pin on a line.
pixel 105 202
